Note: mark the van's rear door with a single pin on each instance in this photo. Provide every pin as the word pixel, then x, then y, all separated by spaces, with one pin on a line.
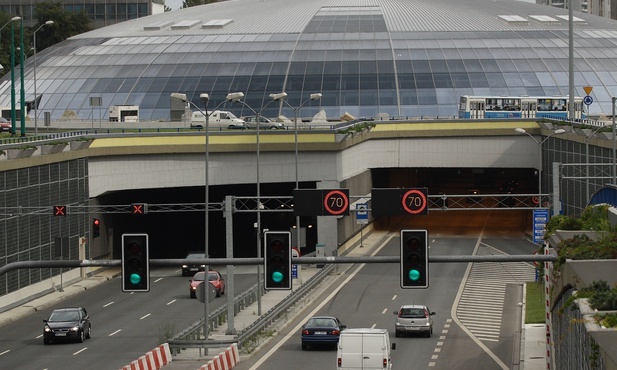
pixel 374 352
pixel 351 354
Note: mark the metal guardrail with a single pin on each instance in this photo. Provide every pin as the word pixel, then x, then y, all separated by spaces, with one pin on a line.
pixel 192 336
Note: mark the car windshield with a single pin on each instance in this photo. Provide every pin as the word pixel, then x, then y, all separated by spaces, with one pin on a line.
pixel 199 277
pixel 64 316
pixel 194 256
pixel 213 276
pixel 321 323
pixel 412 313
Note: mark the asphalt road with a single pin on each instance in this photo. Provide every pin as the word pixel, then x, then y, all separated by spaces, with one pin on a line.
pixel 124 325
pixel 369 294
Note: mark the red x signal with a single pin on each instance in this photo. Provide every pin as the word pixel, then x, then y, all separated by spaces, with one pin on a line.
pixel 59 210
pixel 139 209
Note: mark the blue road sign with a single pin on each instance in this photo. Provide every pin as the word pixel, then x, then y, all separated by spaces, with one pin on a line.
pixel 362 213
pixel 587 100
pixel 540 218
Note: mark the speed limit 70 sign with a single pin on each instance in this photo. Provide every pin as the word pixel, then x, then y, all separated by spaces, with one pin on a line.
pixel 399 201
pixel 321 202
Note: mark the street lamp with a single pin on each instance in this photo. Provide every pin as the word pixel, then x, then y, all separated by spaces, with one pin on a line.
pixel 205 98
pixel 557 132
pixel 13 117
pixel 36 103
pixel 237 97
pixel 10 20
pixel 315 96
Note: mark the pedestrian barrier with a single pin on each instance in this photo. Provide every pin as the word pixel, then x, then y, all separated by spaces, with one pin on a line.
pixel 153 360
pixel 225 360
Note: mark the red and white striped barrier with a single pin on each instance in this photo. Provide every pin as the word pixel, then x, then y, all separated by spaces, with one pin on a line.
pixel 153 360
pixel 225 360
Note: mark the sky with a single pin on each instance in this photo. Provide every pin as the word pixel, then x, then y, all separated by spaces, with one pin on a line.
pixel 173 4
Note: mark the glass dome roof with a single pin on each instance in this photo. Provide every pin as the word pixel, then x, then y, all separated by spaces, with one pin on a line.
pixel 396 57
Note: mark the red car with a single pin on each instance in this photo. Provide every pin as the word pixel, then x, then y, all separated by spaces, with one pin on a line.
pixel 215 278
pixel 5 125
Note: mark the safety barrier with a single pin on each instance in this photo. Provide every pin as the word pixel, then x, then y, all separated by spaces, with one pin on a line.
pixel 225 360
pixel 155 359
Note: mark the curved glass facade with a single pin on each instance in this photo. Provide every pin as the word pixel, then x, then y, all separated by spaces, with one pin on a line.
pixel 398 57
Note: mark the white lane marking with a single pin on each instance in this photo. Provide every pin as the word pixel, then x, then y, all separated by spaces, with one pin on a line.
pixel 143 317
pixel 157 280
pixel 373 326
pixel 294 331
pixel 115 332
pixel 80 351
pixel 455 307
pixel 170 302
pixel 108 304
pixel 5 352
pixel 384 311
pixel 396 295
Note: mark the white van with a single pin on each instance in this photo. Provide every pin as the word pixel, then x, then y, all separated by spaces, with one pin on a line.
pixel 366 349
pixel 217 119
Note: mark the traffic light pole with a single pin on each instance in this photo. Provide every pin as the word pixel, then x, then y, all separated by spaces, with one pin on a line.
pixel 259 261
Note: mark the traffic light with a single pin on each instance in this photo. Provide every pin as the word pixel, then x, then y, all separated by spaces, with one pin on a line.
pixel 414 259
pixel 96 228
pixel 135 263
pixel 277 260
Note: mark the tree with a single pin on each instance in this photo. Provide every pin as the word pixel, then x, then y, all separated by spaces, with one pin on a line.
pixel 66 24
pixel 189 3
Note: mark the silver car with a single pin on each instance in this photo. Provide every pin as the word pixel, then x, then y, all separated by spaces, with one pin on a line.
pixel 264 123
pixel 412 319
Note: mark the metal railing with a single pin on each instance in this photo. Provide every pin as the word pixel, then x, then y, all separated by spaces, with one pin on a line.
pixel 192 336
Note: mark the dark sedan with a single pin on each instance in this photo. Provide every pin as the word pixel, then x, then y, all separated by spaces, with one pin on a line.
pixel 321 330
pixel 191 269
pixel 69 323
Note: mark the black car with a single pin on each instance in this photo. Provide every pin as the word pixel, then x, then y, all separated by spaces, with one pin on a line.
pixel 69 323
pixel 321 330
pixel 191 269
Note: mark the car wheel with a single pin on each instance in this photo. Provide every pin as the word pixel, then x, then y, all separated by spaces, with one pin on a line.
pixel 81 336
pixel 428 334
pixel 397 333
pixel 89 333
pixel 45 341
pixel 304 347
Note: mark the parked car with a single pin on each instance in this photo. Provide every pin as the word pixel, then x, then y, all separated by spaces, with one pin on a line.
pixel 321 330
pixel 191 269
pixel 264 123
pixel 214 277
pixel 412 319
pixel 69 323
pixel 5 124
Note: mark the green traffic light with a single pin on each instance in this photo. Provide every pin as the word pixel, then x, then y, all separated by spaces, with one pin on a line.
pixel 414 275
pixel 135 279
pixel 277 276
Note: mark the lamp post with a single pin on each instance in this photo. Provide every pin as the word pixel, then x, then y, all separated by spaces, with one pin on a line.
pixel 315 96
pixel 36 103
pixel 237 97
pixel 205 98
pixel 557 132
pixel 13 117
